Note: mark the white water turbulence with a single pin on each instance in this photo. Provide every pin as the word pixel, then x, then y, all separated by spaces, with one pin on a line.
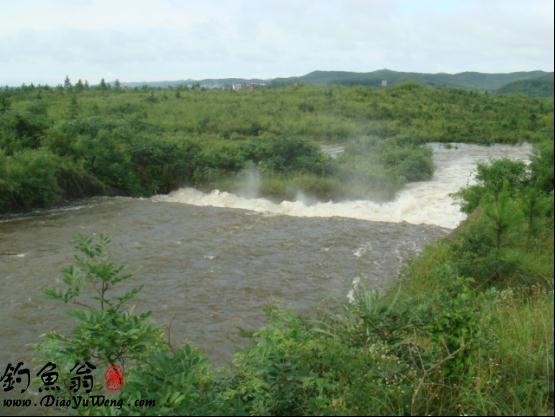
pixel 425 202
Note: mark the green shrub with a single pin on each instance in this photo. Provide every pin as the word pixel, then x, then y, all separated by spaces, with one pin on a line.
pixel 492 178
pixel 542 165
pixel 19 131
pixel 180 382
pixel 106 333
pixel 32 179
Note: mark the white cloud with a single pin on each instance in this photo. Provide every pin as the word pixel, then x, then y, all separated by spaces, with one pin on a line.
pixel 152 40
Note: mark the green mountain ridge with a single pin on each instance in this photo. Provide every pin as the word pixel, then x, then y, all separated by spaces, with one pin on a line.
pixel 539 86
pixel 472 80
pixel 528 82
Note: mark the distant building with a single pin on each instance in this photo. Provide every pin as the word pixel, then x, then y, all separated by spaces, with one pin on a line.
pixel 248 86
pixel 384 83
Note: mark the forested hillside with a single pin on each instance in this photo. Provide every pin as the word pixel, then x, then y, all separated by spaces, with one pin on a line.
pixel 540 86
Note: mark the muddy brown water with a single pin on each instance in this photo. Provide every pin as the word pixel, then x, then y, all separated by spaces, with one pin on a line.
pixel 210 270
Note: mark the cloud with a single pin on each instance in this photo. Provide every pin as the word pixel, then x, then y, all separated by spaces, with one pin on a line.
pixel 170 39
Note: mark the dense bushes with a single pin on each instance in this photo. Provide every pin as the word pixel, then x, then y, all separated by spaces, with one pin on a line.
pixel 39 178
pixel 371 358
pixel 516 268
pixel 21 130
pixel 145 141
pixel 514 214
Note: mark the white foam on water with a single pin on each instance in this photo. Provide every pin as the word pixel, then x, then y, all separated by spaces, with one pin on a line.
pixel 351 293
pixel 425 202
pixel 363 249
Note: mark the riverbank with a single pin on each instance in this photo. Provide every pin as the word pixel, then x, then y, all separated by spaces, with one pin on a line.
pixel 468 329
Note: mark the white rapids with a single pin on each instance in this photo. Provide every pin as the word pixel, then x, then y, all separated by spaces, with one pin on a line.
pixel 425 202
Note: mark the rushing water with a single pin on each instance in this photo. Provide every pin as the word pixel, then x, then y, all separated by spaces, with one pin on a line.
pixel 210 262
pixel 426 202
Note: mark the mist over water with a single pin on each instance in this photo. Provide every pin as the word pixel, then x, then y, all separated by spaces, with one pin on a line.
pixel 426 202
pixel 248 182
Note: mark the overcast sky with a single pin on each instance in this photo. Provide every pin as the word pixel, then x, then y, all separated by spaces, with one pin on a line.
pixel 146 40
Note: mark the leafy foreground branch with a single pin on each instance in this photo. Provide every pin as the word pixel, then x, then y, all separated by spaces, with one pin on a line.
pixel 469 329
pixel 108 334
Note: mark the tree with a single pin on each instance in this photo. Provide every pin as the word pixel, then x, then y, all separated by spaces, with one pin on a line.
pixel 73 108
pixel 67 83
pixel 542 165
pixel 4 103
pixel 536 206
pixel 79 86
pixel 109 336
pixel 107 333
pixel 492 179
pixel 502 212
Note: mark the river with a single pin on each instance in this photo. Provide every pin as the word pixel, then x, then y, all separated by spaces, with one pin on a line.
pixel 209 262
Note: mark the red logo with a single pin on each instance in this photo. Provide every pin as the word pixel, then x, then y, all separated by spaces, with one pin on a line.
pixel 114 378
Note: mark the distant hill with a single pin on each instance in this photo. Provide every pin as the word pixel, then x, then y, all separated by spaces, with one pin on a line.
pixel 533 82
pixel 472 80
pixel 539 86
